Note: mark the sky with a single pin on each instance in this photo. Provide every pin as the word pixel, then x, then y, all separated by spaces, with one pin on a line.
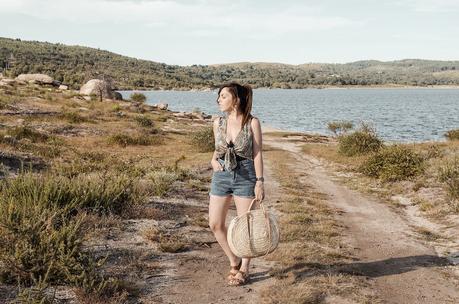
pixel 210 32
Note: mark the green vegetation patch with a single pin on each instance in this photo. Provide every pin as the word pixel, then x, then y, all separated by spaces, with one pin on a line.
pixel 362 141
pixel 393 163
pixel 203 140
pixel 448 173
pixel 144 121
pixel 125 140
pixel 340 127
pixel 138 97
pixel 452 134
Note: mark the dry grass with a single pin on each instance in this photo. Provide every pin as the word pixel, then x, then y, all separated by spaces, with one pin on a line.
pixel 311 246
pixel 427 190
pixel 166 241
pixel 74 144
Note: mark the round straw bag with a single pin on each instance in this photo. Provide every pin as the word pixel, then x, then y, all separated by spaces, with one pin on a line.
pixel 254 233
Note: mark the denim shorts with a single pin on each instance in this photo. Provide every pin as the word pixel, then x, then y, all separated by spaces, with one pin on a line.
pixel 239 182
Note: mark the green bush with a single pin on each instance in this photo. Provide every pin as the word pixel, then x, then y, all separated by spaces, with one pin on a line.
pixel 26 132
pixel 203 140
pixel 448 173
pixel 43 216
pixel 393 163
pixel 138 97
pixel 102 193
pixel 125 140
pixel 144 121
pixel 73 117
pixel 452 134
pixel 362 141
pixel 339 127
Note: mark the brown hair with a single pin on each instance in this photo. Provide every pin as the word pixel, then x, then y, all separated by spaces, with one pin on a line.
pixel 244 93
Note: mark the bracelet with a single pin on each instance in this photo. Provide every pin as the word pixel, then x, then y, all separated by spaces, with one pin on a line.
pixel 260 179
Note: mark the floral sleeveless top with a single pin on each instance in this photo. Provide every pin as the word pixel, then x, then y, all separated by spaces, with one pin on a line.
pixel 242 145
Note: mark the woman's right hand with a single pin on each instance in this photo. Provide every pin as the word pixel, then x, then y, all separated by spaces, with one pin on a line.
pixel 216 166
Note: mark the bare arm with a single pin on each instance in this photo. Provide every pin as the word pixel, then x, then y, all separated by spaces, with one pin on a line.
pixel 216 166
pixel 258 156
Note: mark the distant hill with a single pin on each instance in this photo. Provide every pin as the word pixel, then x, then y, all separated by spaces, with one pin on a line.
pixel 74 65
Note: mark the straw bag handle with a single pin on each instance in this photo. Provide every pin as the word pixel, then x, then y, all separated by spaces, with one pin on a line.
pixel 266 218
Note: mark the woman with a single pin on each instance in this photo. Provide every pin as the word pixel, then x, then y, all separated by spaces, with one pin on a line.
pixel 237 165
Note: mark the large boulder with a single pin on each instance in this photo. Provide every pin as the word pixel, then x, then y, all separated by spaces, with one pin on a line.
pixel 161 106
pixel 97 87
pixel 117 95
pixel 36 78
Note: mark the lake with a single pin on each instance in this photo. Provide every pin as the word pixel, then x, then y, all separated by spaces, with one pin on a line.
pixel 399 115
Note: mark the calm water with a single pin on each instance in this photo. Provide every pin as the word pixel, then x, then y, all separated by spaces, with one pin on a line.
pixel 398 114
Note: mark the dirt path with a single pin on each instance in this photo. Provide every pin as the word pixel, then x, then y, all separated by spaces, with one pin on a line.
pixel 402 268
pixel 198 276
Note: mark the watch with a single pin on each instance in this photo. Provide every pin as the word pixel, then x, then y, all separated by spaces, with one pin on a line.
pixel 261 179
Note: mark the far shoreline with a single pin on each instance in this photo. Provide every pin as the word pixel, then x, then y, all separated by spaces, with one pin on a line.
pixel 350 87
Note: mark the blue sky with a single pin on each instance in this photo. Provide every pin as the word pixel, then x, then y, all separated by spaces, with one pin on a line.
pixel 210 31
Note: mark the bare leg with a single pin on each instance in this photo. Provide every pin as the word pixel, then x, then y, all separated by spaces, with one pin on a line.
pixel 242 205
pixel 218 209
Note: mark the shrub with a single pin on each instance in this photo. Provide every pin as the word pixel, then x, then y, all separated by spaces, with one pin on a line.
pixel 103 193
pixel 144 121
pixel 43 216
pixel 22 132
pixel 359 142
pixel 393 163
pixel 116 108
pixel 452 134
pixel 167 242
pixel 339 127
pixel 162 181
pixel 125 140
pixel 448 173
pixel 138 97
pixel 73 117
pixel 203 140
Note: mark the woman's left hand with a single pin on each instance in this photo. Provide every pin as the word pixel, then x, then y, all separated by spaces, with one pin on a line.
pixel 259 191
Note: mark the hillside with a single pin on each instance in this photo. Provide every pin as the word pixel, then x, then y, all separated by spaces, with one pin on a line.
pixel 74 65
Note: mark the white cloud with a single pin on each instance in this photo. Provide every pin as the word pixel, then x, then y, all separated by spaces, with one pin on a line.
pixel 430 6
pixel 198 17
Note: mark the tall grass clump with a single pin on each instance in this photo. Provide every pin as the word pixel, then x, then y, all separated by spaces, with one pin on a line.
pixel 393 163
pixel 73 117
pixel 138 97
pixel 26 132
pixel 144 121
pixel 448 173
pixel 125 140
pixel 340 127
pixel 162 181
pixel 452 134
pixel 203 140
pixel 361 141
pixel 42 228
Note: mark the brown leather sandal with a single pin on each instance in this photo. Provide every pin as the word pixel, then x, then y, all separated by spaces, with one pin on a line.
pixel 234 270
pixel 235 281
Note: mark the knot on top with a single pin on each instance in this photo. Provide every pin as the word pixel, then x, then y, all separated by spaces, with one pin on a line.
pixel 230 157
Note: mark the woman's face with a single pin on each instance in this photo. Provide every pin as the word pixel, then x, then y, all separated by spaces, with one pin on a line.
pixel 226 101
